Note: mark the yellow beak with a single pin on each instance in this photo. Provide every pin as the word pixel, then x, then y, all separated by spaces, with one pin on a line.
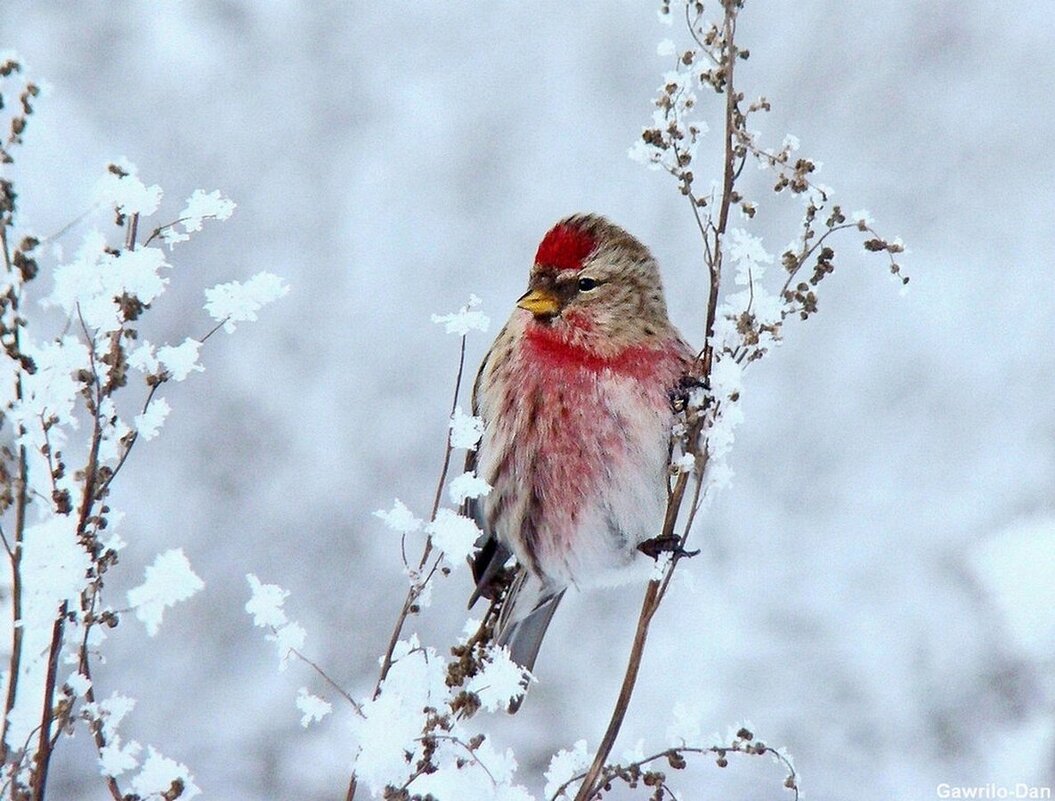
pixel 540 303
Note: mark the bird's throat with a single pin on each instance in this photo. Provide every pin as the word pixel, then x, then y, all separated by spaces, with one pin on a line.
pixel 576 348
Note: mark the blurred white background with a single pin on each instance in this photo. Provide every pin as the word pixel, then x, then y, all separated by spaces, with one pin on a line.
pixel 875 588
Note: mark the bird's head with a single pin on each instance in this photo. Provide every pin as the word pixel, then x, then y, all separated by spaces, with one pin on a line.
pixel 594 282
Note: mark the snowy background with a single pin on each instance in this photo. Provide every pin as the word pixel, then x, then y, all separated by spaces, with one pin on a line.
pixel 875 591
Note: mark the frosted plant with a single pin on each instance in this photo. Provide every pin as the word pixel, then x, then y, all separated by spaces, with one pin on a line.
pixel 62 396
pixel 742 324
pixel 414 735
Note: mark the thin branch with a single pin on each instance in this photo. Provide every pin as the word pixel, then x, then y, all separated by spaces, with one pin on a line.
pixel 162 228
pixel 21 502
pixel 133 230
pixel 729 176
pixel 94 724
pixel 748 748
pixel 22 755
pixel 648 609
pixel 806 253
pixel 42 765
pixel 343 693
pixel 215 328
pixel 414 592
pixel 71 224
pixel 131 441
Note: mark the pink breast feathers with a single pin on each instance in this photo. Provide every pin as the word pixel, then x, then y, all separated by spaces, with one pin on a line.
pixel 552 348
pixel 573 437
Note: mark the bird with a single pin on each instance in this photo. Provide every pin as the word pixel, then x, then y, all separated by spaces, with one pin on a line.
pixel 575 397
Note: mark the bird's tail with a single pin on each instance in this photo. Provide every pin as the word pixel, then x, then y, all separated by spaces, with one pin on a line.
pixel 526 612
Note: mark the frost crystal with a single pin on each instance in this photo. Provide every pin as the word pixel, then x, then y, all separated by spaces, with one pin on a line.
pixel 167 582
pixel 127 193
pixel 393 721
pixel 79 683
pixel 466 430
pixel 115 759
pixel 635 754
pixel 684 729
pixel 748 253
pixel 143 358
pixel 684 463
pixel 400 518
pixel 563 766
pixel 485 776
pixel 203 206
pixel 90 287
pixel 289 638
pixel 112 711
pixel 265 603
pixel 149 423
pixel 862 216
pixel 54 566
pixel 52 390
pixel 419 582
pixel 313 707
pixel 453 534
pixel 467 318
pixel 236 302
pixel 467 485
pixel 500 681
pixel 158 774
pixel 180 361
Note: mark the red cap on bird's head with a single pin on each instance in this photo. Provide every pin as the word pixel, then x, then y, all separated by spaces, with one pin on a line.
pixel 565 247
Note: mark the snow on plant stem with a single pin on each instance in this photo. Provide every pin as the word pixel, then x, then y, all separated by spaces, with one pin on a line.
pixel 59 408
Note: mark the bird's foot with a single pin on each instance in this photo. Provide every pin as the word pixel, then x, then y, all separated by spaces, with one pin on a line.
pixel 669 544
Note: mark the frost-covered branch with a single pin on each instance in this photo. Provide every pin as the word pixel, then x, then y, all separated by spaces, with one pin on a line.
pixel 740 326
pixel 641 771
pixel 51 383
pixel 416 728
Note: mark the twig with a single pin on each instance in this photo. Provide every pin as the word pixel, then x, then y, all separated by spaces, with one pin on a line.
pixel 133 230
pixel 414 592
pixel 736 747
pixel 39 778
pixel 714 267
pixel 343 693
pixel 21 501
pixel 161 228
pixel 648 609
pixel 13 773
pixel 88 498
pixel 94 724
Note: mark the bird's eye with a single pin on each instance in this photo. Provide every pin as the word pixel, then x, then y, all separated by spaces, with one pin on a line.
pixel 586 284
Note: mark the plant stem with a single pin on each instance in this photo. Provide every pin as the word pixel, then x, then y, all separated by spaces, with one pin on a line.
pixel 413 592
pixel 648 609
pixel 44 746
pixel 21 501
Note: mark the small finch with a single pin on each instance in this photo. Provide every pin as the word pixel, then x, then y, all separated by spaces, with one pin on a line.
pixel 575 397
